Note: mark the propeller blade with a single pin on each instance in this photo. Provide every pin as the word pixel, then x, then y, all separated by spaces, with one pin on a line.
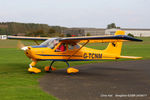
pixel 21 46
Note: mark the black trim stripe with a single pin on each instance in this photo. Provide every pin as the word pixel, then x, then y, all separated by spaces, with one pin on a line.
pixel 66 60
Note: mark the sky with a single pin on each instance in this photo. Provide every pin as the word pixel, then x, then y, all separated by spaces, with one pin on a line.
pixel 78 13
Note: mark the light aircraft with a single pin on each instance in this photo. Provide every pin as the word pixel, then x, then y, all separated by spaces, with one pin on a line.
pixel 69 49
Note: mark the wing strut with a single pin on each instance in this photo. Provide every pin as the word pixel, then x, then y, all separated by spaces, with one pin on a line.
pixel 78 49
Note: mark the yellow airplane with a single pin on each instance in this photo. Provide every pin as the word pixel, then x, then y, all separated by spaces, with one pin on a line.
pixel 69 49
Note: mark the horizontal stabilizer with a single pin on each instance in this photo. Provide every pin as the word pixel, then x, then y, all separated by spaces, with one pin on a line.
pixel 129 57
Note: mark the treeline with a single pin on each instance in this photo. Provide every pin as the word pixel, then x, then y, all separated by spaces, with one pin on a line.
pixel 30 29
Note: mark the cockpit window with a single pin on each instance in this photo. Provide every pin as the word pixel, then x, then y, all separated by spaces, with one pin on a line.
pixel 73 46
pixel 61 48
pixel 77 46
pixel 51 43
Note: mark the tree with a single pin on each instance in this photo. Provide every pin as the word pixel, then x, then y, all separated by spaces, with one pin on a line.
pixel 68 35
pixel 88 34
pixel 110 26
pixel 2 31
pixel 39 32
pixel 51 31
pixel 130 35
pixel 61 35
pixel 117 27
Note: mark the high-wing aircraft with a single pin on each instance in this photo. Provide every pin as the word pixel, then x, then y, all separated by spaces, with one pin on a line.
pixel 69 49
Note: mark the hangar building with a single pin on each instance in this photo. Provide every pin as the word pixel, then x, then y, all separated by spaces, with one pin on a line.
pixel 135 32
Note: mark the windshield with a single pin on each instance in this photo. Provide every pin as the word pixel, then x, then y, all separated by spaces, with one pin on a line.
pixel 51 43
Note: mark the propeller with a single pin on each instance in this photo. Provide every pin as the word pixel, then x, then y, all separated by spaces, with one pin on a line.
pixel 21 46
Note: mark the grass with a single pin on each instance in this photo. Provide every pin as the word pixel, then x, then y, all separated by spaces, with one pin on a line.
pixel 137 48
pixel 17 84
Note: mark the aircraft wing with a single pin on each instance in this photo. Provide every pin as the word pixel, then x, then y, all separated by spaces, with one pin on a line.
pixel 116 38
pixel 3 37
pixel 93 39
pixel 27 38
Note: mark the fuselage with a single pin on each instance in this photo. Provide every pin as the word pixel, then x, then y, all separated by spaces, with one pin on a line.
pixel 42 53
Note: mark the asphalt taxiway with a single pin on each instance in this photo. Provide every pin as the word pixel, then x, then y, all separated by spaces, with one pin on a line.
pixel 124 80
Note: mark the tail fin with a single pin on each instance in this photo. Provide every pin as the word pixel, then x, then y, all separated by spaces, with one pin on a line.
pixel 114 48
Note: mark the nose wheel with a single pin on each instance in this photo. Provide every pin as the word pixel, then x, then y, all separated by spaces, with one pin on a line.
pixel 33 70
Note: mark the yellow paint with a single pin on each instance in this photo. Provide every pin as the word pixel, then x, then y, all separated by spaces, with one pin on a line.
pixel 33 63
pixel 72 70
pixel 130 57
pixel 34 70
pixel 47 68
pixel 113 51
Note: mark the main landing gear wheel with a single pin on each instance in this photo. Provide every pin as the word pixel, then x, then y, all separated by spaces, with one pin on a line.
pixel 69 69
pixel 49 69
pixel 72 70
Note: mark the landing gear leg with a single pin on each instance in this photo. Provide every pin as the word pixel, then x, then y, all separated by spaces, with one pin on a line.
pixel 50 68
pixel 71 70
pixel 32 69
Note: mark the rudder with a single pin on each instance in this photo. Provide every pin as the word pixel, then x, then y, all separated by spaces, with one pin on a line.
pixel 114 48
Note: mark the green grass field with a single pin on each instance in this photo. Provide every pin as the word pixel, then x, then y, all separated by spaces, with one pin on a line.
pixel 17 84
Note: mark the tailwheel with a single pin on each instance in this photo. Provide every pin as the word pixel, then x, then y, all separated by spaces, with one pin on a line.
pixel 72 70
pixel 34 70
pixel 49 69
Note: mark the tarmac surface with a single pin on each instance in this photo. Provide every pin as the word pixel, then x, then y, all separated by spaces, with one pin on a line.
pixel 124 80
